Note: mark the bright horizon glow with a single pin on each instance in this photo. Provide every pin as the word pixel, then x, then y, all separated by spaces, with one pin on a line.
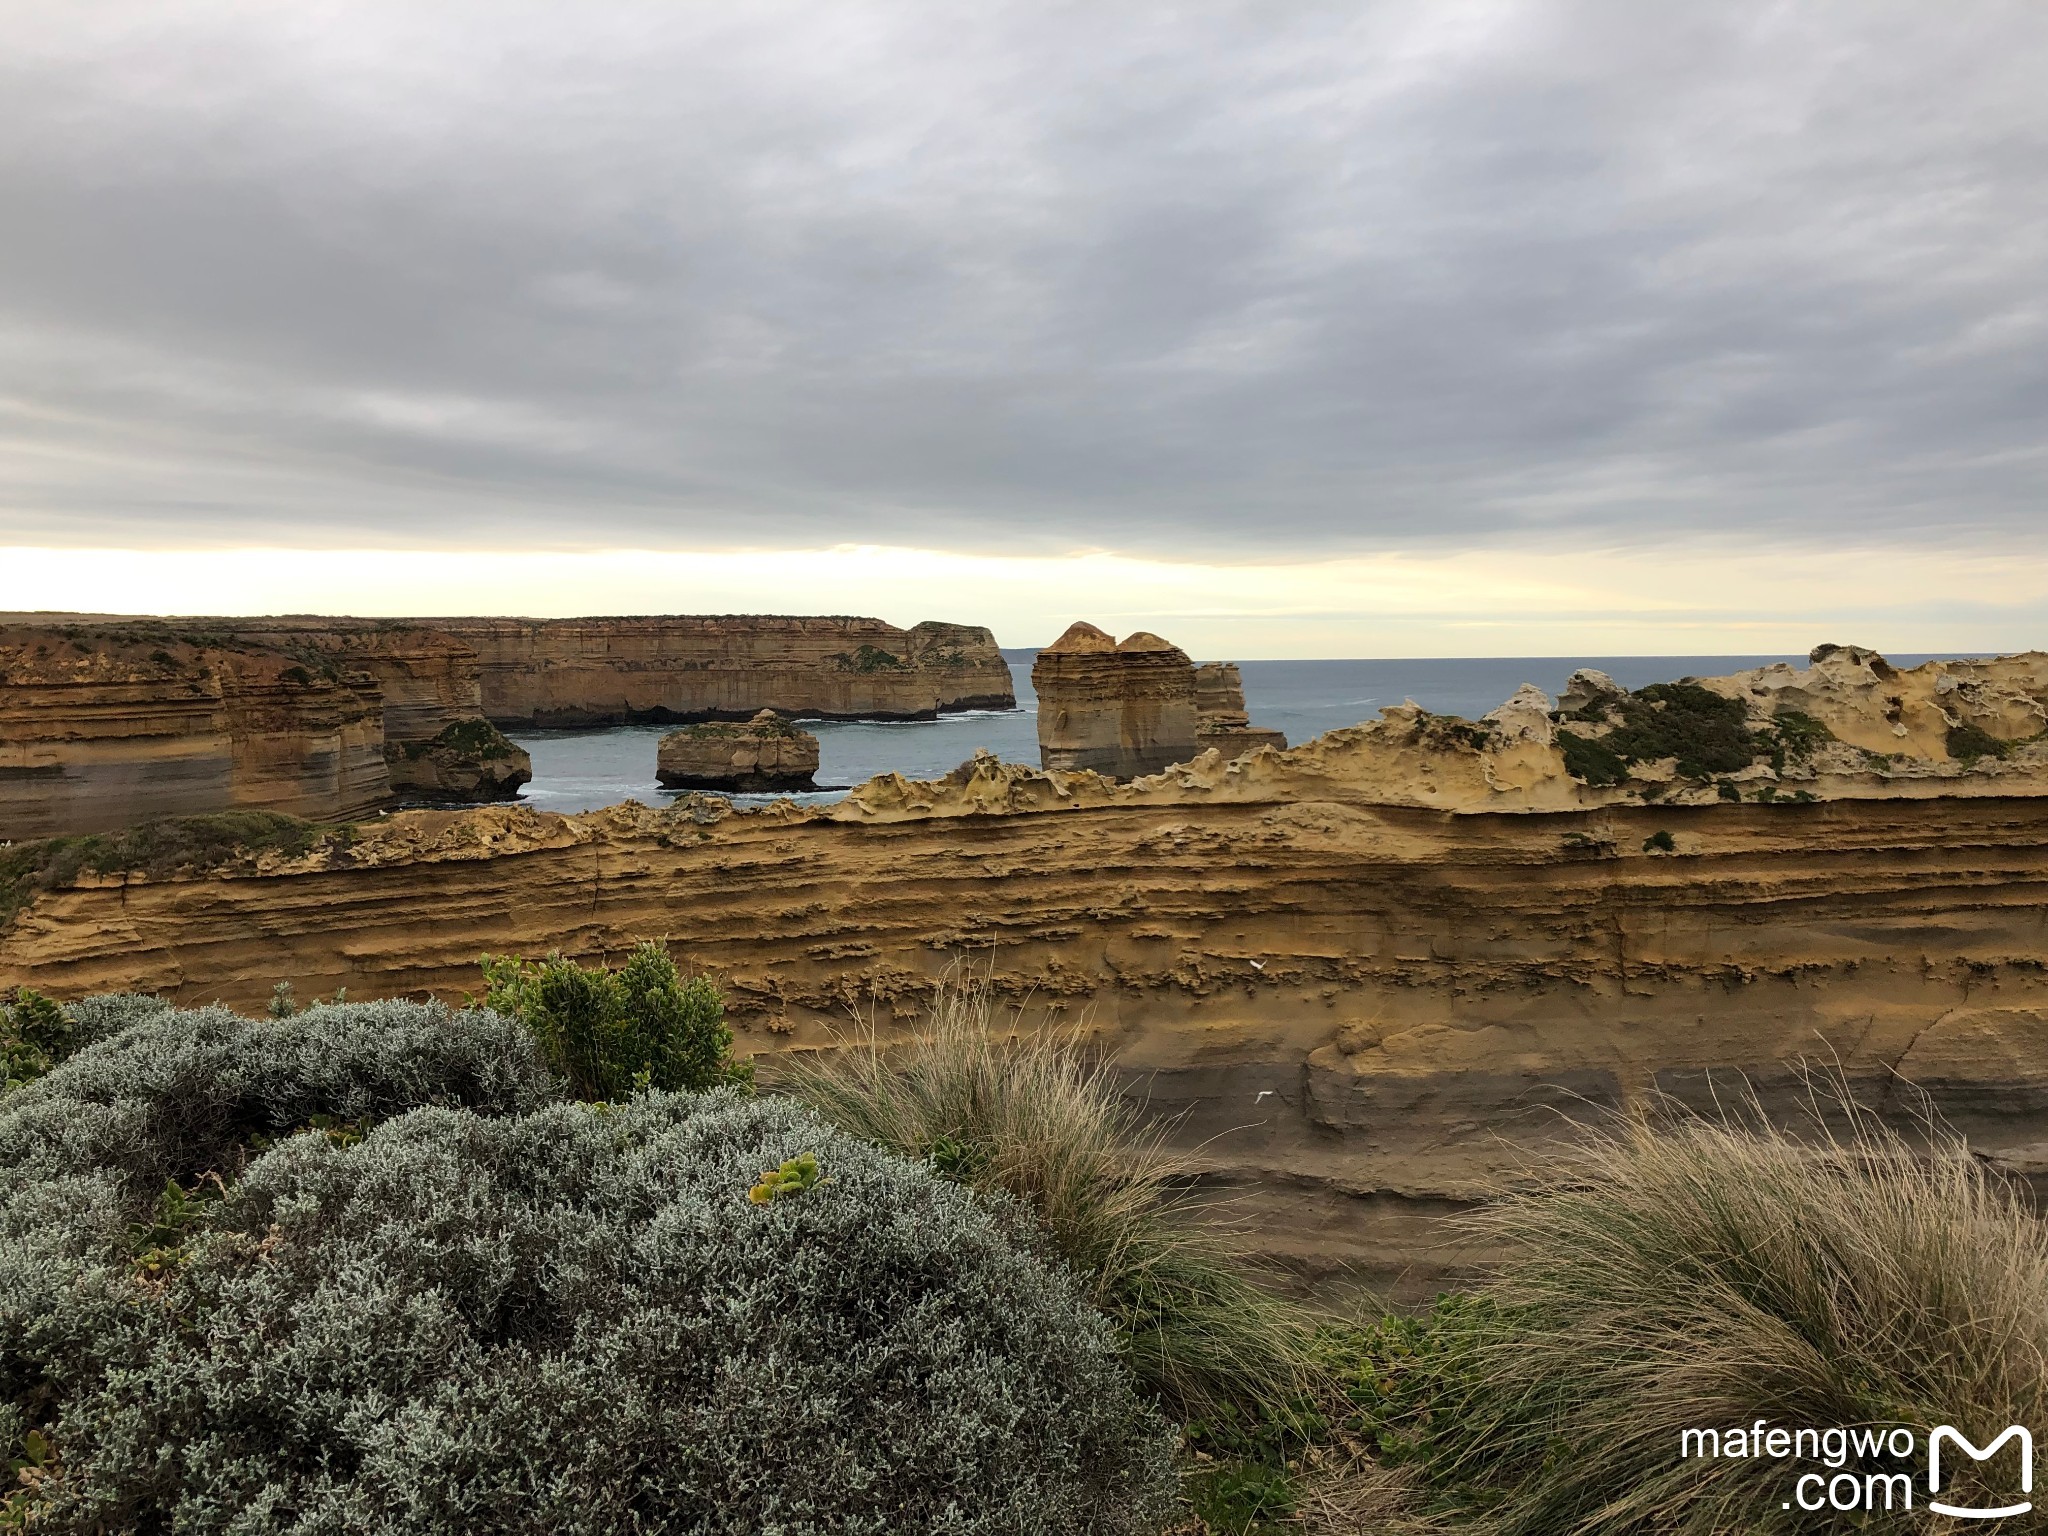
pixel 1674 601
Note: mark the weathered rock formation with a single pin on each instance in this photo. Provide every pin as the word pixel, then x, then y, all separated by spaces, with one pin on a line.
pixel 1220 718
pixel 466 760
pixel 422 691
pixel 1375 976
pixel 101 728
pixel 1133 709
pixel 763 755
pixel 608 671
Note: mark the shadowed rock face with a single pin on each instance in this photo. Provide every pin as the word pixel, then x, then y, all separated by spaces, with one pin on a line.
pixel 1378 975
pixel 1221 721
pixel 113 745
pixel 685 668
pixel 100 731
pixel 764 755
pixel 1135 708
pixel 1121 710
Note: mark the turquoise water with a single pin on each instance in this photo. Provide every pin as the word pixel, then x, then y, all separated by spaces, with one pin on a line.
pixel 583 769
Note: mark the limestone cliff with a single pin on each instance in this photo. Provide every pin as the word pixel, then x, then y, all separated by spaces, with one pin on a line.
pixel 103 727
pixel 1375 976
pixel 1134 708
pixel 1220 718
pixel 1117 709
pixel 684 668
pixel 765 754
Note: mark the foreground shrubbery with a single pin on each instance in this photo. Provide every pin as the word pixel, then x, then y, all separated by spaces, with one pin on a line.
pixel 1709 1275
pixel 512 1313
pixel 609 1032
pixel 371 1268
pixel 1031 1118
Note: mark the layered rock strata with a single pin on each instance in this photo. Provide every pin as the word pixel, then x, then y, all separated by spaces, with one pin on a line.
pixel 764 755
pixel 1220 718
pixel 1369 979
pixel 99 729
pixel 1120 710
pixel 424 690
pixel 608 671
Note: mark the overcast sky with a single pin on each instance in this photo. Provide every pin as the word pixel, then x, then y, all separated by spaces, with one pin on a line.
pixel 1279 283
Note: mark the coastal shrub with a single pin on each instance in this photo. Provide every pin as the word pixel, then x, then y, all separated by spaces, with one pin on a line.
pixel 1033 1120
pixel 178 1094
pixel 1967 743
pixel 1795 737
pixel 37 1033
pixel 1709 1274
pixel 612 1031
pixel 1590 760
pixel 473 738
pixel 868 658
pixel 569 1322
pixel 1707 734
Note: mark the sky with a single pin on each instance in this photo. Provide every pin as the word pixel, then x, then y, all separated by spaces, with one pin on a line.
pixel 1466 327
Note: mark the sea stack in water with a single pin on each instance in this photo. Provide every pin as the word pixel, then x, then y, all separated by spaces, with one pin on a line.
pixel 1131 709
pixel 764 755
pixel 1220 718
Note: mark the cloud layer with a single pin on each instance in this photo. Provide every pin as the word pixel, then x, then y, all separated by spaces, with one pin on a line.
pixel 1205 279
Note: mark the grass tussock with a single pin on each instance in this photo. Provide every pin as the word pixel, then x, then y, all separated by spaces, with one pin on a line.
pixel 1707 1274
pixel 1030 1116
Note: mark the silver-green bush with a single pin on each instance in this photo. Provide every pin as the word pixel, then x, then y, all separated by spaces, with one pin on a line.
pixel 565 1319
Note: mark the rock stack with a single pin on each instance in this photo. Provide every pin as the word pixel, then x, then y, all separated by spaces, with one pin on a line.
pixel 1220 718
pixel 1133 708
pixel 764 755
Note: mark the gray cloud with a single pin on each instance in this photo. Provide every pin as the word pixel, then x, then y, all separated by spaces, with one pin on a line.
pixel 1023 277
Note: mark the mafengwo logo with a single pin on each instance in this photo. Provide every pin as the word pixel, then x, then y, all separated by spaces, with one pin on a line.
pixel 1870 1471
pixel 1946 1434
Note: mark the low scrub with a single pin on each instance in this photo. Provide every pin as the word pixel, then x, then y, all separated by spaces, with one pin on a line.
pixel 249 1283
pixel 1710 1275
pixel 610 1032
pixel 1032 1119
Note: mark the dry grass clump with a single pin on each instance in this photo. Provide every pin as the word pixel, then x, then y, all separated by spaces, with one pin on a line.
pixel 1028 1115
pixel 1707 1274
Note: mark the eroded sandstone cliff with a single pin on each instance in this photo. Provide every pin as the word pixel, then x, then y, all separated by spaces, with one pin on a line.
pixel 765 754
pixel 103 727
pixel 1373 977
pixel 685 668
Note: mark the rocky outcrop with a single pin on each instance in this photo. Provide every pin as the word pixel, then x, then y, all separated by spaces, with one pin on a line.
pixel 608 671
pixel 1120 710
pixel 422 690
pixel 100 728
pixel 1220 718
pixel 1368 980
pixel 466 760
pixel 437 745
pixel 764 755
pixel 1125 710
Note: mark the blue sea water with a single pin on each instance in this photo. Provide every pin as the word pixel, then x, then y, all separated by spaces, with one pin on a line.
pixel 581 770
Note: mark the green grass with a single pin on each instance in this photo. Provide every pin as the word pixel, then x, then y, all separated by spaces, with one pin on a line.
pixel 1027 1115
pixel 155 849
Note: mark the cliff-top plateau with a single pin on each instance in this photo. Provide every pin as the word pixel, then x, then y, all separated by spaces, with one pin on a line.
pixel 1374 976
pixel 106 721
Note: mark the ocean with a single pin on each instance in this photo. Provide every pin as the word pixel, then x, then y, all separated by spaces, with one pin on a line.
pixel 579 770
